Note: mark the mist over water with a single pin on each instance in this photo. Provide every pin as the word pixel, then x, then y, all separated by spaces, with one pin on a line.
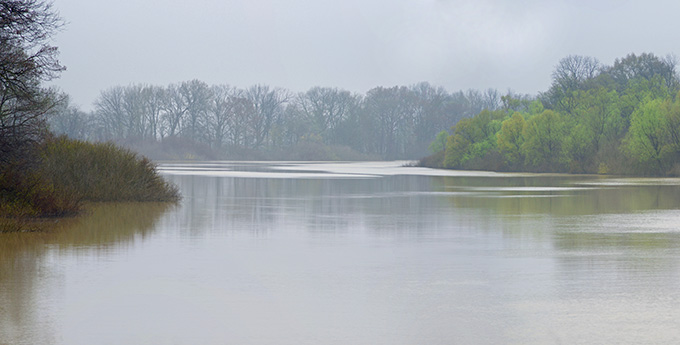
pixel 361 253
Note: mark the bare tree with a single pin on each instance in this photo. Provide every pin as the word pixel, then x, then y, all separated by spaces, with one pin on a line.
pixel 26 59
pixel 110 114
pixel 196 98
pixel 491 99
pixel 135 117
pixel 267 105
pixel 175 109
pixel 69 120
pixel 241 115
pixel 154 98
pixel 391 111
pixel 131 112
pixel 431 114
pixel 573 71
pixel 571 74
pixel 326 108
pixel 218 114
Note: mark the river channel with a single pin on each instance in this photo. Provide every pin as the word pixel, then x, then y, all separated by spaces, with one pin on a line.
pixel 355 253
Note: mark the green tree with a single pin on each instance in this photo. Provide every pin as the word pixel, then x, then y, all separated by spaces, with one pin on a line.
pixel 488 123
pixel 595 128
pixel 473 140
pixel 543 138
pixel 458 144
pixel 646 139
pixel 600 113
pixel 510 140
pixel 673 123
pixel 578 149
pixel 439 143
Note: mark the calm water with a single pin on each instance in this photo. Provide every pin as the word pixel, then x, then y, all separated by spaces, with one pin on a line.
pixel 355 253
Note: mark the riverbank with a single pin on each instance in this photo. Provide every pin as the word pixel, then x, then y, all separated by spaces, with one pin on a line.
pixel 493 164
pixel 58 175
pixel 178 148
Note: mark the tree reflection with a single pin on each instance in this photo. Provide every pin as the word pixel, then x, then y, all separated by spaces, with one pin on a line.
pixel 557 195
pixel 25 268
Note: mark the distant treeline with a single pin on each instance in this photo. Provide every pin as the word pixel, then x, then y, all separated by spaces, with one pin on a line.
pixel 623 119
pixel 388 123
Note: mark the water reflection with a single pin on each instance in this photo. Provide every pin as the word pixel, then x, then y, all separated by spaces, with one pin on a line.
pixel 27 262
pixel 559 259
pixel 408 203
pixel 560 195
pixel 357 253
pixel 261 206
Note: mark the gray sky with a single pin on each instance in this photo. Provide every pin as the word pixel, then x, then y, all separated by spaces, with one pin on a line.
pixel 351 44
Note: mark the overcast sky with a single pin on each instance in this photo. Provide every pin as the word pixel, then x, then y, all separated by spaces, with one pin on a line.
pixel 350 44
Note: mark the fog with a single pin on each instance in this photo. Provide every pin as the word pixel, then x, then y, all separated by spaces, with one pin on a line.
pixel 352 44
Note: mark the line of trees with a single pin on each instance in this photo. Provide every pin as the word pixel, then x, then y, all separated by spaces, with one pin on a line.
pixel 391 123
pixel 619 118
pixel 623 118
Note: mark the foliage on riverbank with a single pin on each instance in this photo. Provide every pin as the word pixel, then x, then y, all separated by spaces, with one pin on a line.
pixel 62 173
pixel 103 172
pixel 620 119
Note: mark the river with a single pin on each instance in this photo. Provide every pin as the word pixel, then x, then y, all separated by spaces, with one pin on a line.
pixel 355 253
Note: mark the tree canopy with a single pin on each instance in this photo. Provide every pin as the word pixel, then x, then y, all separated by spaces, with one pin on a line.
pixel 623 119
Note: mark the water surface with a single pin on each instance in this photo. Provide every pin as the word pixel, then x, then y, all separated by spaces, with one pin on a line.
pixel 355 253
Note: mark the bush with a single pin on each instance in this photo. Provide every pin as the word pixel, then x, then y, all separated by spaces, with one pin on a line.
pixel 433 161
pixel 26 193
pixel 60 173
pixel 103 172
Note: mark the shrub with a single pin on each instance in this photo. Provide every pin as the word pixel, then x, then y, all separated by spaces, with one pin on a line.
pixel 60 173
pixel 103 172
pixel 26 193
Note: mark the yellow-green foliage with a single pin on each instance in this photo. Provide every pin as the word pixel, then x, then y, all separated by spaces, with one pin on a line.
pixel 103 172
pixel 624 120
pixel 510 139
pixel 458 143
pixel 472 139
pixel 544 135
pixel 439 143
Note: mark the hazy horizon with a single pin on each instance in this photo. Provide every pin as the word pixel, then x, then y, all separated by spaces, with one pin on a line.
pixel 353 45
